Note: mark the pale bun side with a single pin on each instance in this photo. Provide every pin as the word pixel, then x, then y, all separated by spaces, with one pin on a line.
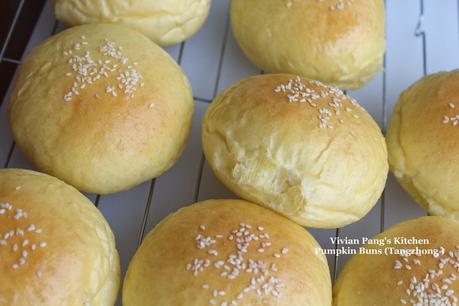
pixel 166 22
pixel 423 146
pixel 221 252
pixel 55 246
pixel 101 107
pixel 340 43
pixel 428 278
pixel 312 154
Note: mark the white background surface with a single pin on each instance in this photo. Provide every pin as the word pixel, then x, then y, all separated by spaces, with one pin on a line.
pixel 212 61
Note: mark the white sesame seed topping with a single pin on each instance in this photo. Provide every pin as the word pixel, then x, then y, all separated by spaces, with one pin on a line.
pixel 237 263
pixel 298 92
pixel 21 237
pixel 427 291
pixel 87 70
pixel 454 119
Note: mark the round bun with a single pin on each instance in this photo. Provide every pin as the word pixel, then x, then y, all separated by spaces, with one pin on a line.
pixel 421 269
pixel 166 22
pixel 338 42
pixel 55 247
pixel 101 107
pixel 227 252
pixel 423 143
pixel 297 146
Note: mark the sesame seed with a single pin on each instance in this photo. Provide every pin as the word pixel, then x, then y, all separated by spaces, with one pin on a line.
pixel 298 92
pixel 87 70
pixel 237 263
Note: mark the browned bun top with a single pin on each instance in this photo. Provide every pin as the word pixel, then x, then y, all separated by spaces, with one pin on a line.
pixel 101 107
pixel 227 252
pixel 418 264
pixel 55 246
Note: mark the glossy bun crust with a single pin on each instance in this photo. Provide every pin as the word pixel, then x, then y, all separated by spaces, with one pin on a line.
pixel 101 107
pixel 393 279
pixel 166 22
pixel 296 146
pixel 338 42
pixel 222 252
pixel 423 143
pixel 55 247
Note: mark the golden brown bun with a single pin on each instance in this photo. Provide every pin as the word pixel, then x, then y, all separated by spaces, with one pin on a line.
pixel 166 22
pixel 341 46
pixel 61 250
pixel 278 153
pixel 288 271
pixel 381 280
pixel 96 141
pixel 423 145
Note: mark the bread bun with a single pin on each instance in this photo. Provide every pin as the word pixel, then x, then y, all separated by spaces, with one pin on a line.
pixel 55 247
pixel 297 146
pixel 101 107
pixel 166 22
pixel 423 145
pixel 426 277
pixel 339 42
pixel 227 252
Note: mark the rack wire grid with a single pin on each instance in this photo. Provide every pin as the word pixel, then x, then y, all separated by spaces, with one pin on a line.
pixel 422 37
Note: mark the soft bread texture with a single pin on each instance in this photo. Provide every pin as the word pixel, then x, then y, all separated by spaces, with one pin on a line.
pixel 70 256
pixel 160 275
pixel 383 280
pixel 273 152
pixel 96 141
pixel 423 145
pixel 313 38
pixel 166 22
